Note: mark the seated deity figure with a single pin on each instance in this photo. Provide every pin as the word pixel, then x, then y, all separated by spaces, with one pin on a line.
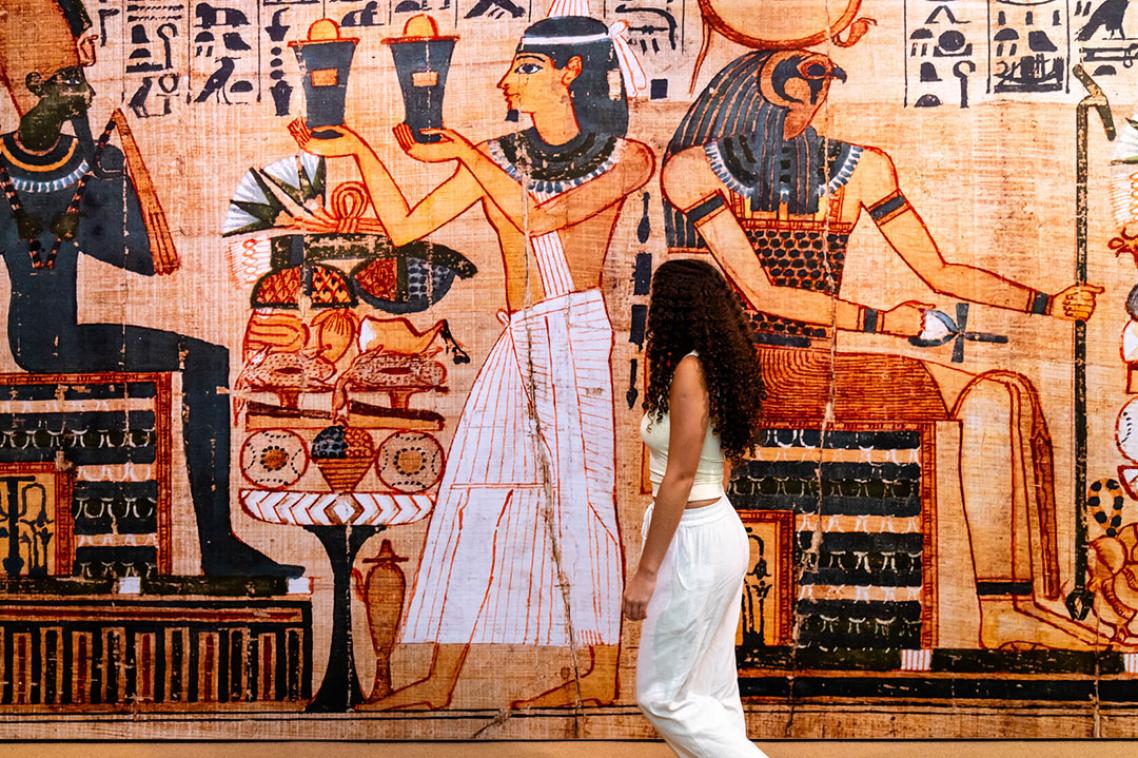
pixel 750 180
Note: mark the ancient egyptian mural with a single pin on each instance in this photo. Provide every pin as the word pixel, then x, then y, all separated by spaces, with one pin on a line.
pixel 324 359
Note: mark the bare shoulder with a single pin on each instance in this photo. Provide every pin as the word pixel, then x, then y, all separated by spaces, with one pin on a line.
pixel 689 158
pixel 688 395
pixel 875 176
pixel 875 162
pixel 638 163
pixel 687 177
pixel 688 375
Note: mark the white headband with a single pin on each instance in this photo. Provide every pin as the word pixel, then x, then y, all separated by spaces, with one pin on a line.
pixel 631 70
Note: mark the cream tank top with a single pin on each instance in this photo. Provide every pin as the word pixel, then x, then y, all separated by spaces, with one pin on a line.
pixel 708 482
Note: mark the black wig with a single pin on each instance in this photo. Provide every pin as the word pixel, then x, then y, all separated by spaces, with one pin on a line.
pixel 599 99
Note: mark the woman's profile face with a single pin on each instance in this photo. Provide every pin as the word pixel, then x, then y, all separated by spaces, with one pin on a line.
pixel 532 84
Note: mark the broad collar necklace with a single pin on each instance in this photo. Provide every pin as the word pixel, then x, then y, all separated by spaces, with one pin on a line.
pixel 554 168
pixel 35 247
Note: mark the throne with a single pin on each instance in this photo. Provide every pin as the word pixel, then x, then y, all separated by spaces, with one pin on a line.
pixel 850 471
pixel 90 612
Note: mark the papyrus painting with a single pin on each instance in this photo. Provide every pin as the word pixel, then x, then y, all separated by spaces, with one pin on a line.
pixel 324 359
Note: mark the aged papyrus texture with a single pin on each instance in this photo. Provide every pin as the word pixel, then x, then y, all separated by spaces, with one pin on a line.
pixel 324 361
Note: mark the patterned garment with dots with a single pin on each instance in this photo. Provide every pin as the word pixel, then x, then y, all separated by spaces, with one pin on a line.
pixel 804 259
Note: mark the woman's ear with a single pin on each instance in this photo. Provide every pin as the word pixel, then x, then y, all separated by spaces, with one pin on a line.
pixel 571 70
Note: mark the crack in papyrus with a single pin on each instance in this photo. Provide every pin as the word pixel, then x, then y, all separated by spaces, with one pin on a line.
pixel 810 554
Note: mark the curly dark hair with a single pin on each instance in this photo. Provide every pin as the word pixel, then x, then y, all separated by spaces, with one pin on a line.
pixel 693 308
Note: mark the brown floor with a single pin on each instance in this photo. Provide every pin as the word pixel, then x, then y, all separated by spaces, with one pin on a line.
pixel 586 749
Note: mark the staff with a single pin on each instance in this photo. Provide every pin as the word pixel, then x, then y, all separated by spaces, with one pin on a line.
pixel 153 217
pixel 1080 599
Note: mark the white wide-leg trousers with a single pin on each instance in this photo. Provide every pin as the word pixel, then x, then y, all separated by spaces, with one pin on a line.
pixel 687 683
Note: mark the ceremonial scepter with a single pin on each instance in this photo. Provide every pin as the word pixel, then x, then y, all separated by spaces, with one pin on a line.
pixel 153 217
pixel 1079 600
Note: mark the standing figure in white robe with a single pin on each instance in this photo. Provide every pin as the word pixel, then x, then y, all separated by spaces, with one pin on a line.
pixel 527 502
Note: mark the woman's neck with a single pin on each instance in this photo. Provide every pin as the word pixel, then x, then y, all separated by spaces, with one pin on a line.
pixel 557 126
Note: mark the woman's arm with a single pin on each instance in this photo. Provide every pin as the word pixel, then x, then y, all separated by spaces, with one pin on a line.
pixel 569 208
pixel 524 211
pixel 402 223
pixel 688 408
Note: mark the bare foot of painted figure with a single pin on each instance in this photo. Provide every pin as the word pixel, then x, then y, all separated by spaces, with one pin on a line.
pixel 596 686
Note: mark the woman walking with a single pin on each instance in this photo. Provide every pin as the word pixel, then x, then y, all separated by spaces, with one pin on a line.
pixel 703 402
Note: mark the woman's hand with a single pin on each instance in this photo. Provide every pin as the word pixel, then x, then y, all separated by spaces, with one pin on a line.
pixel 637 593
pixel 346 143
pixel 451 145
